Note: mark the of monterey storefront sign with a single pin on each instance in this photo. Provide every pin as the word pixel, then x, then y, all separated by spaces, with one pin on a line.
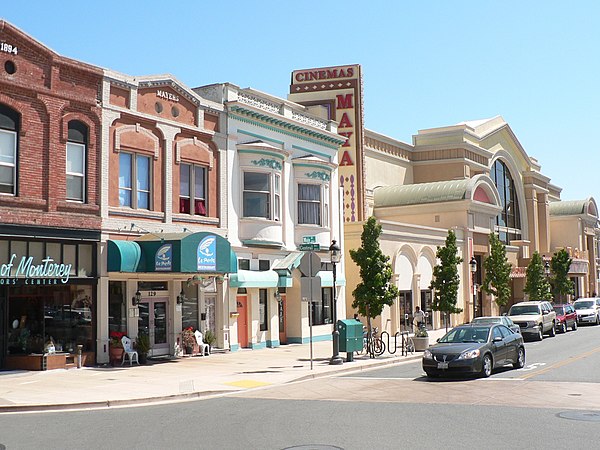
pixel 48 272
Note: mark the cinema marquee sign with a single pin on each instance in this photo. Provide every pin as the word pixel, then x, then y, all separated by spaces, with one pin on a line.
pixel 48 272
pixel 339 89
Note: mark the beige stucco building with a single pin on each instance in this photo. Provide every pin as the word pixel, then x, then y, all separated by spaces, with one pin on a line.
pixel 474 178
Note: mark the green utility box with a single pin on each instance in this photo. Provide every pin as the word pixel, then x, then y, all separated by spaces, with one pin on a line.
pixel 351 335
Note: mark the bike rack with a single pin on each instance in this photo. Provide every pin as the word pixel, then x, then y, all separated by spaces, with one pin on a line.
pixel 403 335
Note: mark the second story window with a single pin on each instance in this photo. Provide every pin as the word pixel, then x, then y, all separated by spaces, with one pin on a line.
pixel 134 180
pixel 192 189
pixel 76 157
pixel 309 204
pixel 9 121
pixel 313 205
pixel 262 195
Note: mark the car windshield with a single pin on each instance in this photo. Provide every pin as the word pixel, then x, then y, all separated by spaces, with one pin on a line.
pixel 588 304
pixel 519 310
pixel 466 334
pixel 559 310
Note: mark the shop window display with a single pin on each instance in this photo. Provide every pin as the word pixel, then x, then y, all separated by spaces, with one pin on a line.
pixel 117 307
pixel 56 320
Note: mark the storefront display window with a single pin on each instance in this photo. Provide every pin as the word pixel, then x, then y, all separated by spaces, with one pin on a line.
pixel 61 319
pixel 117 306
pixel 189 309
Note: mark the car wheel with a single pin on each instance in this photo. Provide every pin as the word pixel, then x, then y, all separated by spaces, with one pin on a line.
pixel 520 362
pixel 574 327
pixel 540 335
pixel 486 366
pixel 563 327
pixel 597 320
pixel 552 332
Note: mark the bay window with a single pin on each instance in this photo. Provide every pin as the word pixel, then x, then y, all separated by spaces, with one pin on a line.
pixel 262 195
pixel 313 204
pixel 309 204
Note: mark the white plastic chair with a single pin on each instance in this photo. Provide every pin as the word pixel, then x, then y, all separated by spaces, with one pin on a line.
pixel 128 351
pixel 203 347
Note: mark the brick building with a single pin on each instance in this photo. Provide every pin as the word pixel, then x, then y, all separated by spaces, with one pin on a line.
pixel 49 202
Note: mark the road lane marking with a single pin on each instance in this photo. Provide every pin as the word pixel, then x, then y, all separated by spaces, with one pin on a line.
pixel 561 363
pixel 531 367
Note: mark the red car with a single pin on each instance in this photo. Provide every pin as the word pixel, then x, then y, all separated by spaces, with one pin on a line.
pixel 566 317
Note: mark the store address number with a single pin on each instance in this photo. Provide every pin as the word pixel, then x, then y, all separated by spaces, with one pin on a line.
pixel 8 48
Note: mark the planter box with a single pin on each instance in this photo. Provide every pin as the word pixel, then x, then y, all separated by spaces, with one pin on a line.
pixel 421 343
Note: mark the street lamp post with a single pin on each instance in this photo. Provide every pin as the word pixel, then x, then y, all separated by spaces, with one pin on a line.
pixel 473 266
pixel 336 256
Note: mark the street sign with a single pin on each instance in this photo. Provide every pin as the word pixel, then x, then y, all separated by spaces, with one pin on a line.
pixel 310 264
pixel 311 247
pixel 309 239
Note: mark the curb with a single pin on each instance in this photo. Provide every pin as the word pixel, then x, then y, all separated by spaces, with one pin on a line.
pixel 105 404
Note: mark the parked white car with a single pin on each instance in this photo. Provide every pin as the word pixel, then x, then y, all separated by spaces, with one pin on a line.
pixel 588 310
pixel 534 318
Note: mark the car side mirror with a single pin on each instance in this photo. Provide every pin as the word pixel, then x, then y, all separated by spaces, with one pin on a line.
pixel 497 339
pixel 544 313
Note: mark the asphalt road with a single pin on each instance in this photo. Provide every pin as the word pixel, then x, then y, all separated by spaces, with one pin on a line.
pixel 574 357
pixel 391 408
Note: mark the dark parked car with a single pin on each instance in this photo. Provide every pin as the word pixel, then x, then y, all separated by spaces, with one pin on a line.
pixel 566 317
pixel 504 320
pixel 474 348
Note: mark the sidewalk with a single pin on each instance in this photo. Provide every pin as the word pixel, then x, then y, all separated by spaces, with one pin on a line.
pixel 178 379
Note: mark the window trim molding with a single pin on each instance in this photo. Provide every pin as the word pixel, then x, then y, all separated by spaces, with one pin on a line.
pixel 137 128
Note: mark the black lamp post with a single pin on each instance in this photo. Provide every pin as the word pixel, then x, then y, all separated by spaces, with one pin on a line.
pixel 473 266
pixel 336 256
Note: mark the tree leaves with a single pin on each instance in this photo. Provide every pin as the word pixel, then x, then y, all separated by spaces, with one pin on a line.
pixel 446 280
pixel 375 290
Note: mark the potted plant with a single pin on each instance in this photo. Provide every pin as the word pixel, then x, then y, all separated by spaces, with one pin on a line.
pixel 115 348
pixel 188 339
pixel 421 339
pixel 210 339
pixel 142 345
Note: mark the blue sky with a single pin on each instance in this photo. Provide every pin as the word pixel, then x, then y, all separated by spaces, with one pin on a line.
pixel 425 63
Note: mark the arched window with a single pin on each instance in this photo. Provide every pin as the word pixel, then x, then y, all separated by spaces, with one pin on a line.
pixel 508 222
pixel 76 158
pixel 9 139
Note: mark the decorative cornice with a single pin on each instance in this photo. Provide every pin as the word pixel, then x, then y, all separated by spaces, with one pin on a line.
pixel 173 85
pixel 284 127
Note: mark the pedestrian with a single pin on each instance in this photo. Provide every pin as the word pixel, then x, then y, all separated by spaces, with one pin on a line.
pixel 418 318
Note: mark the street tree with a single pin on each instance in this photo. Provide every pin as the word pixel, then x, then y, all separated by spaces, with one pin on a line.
pixel 537 286
pixel 562 285
pixel 375 290
pixel 497 272
pixel 446 280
